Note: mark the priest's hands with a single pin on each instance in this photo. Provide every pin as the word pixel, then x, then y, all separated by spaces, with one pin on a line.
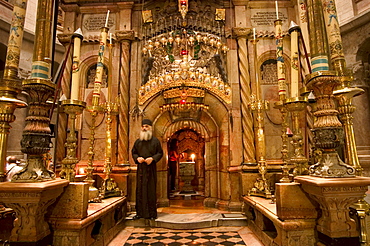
pixel 148 160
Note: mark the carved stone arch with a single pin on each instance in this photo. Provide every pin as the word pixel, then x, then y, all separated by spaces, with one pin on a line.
pixel 361 69
pixel 87 64
pixel 271 55
pixel 186 124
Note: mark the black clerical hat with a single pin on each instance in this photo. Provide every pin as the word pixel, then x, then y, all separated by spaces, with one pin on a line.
pixel 146 122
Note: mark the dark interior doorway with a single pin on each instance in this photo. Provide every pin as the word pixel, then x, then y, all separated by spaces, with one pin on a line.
pixel 186 165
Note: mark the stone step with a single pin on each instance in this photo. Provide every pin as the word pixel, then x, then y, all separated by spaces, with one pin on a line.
pixel 190 221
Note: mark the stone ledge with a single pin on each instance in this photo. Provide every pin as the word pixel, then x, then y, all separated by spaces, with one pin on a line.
pixel 264 222
pixel 103 222
pixel 94 212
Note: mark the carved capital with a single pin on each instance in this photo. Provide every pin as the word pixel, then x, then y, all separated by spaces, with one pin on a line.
pixel 127 35
pixel 65 39
pixel 241 32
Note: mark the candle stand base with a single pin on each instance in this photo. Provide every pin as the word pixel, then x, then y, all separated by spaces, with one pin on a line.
pixel 261 187
pixel 297 105
pixel 110 189
pixel 72 108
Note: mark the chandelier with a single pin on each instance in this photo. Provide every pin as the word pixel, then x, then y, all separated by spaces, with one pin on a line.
pixel 183 50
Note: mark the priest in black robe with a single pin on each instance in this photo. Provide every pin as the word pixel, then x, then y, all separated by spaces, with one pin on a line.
pixel 147 151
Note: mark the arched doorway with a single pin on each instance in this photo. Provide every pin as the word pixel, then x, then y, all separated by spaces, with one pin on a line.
pixel 186 149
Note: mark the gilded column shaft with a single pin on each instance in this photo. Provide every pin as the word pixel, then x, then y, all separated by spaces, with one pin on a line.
pixel 41 62
pixel 318 41
pixel 247 119
pixel 124 38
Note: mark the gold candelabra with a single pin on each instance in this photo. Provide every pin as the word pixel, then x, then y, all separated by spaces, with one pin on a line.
pixel 346 109
pixel 93 191
pixel 72 108
pixel 328 130
pixel 296 105
pixel 109 187
pixel 284 139
pixel 258 106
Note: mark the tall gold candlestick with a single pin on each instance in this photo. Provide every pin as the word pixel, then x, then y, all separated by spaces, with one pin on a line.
pixel 297 105
pixel 72 108
pixel 95 109
pixel 258 106
pixel 75 88
pixel 346 109
pixel 284 139
pixel 109 187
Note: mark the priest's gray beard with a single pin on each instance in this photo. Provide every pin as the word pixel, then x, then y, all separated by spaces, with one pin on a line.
pixel 146 135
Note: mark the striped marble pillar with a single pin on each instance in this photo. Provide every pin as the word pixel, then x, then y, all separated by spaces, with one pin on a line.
pixel 244 76
pixel 124 38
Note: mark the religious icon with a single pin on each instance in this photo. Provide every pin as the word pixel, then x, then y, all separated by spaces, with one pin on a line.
pixel 220 15
pixel 147 16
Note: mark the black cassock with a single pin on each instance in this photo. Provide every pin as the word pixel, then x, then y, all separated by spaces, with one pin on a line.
pixel 146 179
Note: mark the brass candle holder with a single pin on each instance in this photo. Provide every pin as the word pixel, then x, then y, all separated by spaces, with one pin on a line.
pixel 296 105
pixel 36 137
pixel 109 187
pixel 261 186
pixel 94 195
pixel 258 106
pixel 284 139
pixel 346 109
pixel 328 130
pixel 72 108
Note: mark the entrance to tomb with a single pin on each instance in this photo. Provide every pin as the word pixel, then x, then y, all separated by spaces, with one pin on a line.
pixel 185 158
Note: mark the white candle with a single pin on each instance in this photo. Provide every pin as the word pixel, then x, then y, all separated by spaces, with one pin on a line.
pixel 110 38
pixel 294 86
pixel 75 87
pixel 254 33
pixel 106 20
pixel 277 10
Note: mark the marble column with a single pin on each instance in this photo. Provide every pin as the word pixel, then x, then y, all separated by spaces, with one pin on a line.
pixel 247 118
pixel 124 38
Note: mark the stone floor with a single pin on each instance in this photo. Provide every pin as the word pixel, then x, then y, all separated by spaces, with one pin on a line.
pixel 186 214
